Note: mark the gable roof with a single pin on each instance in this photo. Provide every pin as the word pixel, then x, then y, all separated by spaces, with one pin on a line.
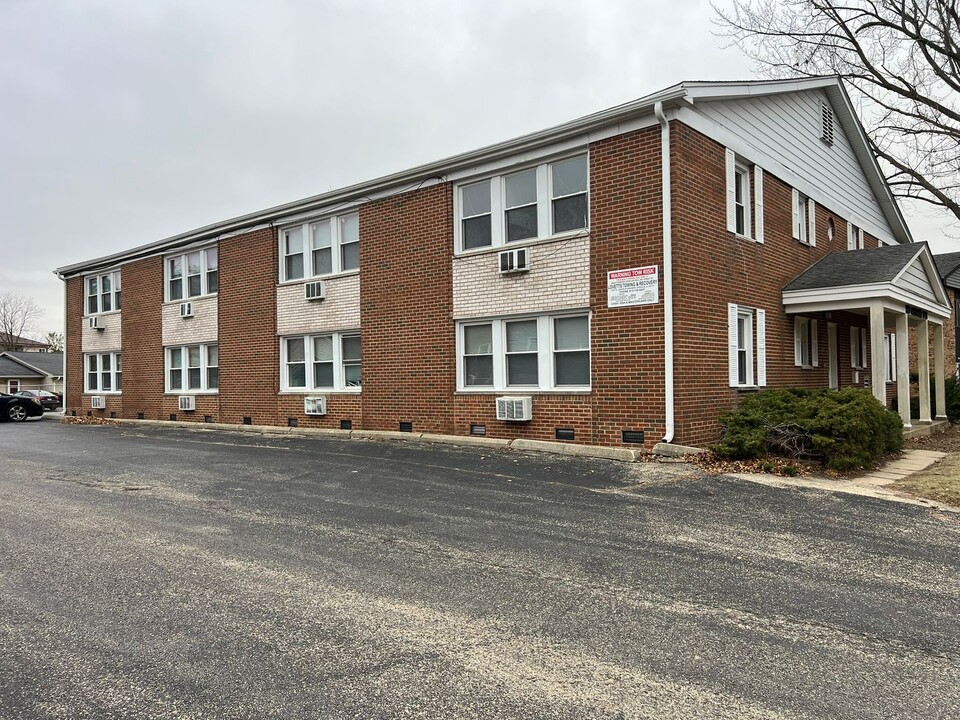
pixel 9 367
pixel 856 267
pixel 46 363
pixel 18 340
pixel 675 96
pixel 947 265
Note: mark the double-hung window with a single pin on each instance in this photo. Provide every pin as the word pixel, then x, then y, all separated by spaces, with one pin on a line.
pixel 804 219
pixel 890 351
pixel 532 204
pixel 103 293
pixel 192 274
pixel 104 372
pixel 329 362
pixel 321 247
pixel 747 346
pixel 193 368
pixel 854 237
pixel 744 197
pixel 858 348
pixel 805 343
pixel 535 353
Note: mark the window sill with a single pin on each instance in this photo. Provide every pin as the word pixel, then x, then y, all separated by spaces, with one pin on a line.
pixel 321 391
pixel 103 314
pixel 332 276
pixel 175 393
pixel 746 238
pixel 190 299
pixel 518 391
pixel 473 252
pixel 103 392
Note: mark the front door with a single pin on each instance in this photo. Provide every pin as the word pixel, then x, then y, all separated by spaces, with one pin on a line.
pixel 833 361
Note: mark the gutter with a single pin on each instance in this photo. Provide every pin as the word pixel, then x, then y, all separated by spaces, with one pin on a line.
pixel 668 375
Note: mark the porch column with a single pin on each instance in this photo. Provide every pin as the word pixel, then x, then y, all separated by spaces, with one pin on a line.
pixel 938 371
pixel 923 369
pixel 903 368
pixel 878 371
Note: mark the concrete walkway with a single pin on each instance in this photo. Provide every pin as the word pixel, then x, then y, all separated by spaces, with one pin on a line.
pixel 911 462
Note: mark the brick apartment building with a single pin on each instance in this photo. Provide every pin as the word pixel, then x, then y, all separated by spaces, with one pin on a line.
pixel 622 278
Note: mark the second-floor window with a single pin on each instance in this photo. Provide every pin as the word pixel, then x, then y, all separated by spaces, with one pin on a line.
pixel 103 293
pixel 322 247
pixel 193 274
pixel 535 203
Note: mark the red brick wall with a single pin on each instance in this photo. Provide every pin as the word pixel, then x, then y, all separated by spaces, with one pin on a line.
pixel 141 334
pixel 406 305
pixel 73 390
pixel 249 347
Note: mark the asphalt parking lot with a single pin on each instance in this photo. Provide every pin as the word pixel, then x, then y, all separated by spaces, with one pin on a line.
pixel 161 573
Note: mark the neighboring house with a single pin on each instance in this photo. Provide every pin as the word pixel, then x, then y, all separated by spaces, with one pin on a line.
pixel 28 370
pixel 619 279
pixel 17 343
pixel 948 267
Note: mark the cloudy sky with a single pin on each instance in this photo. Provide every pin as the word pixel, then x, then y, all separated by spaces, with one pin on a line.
pixel 124 122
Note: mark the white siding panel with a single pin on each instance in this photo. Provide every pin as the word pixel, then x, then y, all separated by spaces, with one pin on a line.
pixel 916 281
pixel 559 278
pixel 201 328
pixel 339 310
pixel 786 128
pixel 106 340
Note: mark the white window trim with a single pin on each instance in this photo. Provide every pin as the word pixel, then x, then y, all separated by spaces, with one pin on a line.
pixel 114 356
pixel 114 292
pixel 498 207
pixel 204 368
pixel 752 193
pixel 336 257
pixel 545 354
pixel 204 290
pixel 804 218
pixel 339 384
pixel 890 346
pixel 854 236
pixel 806 342
pixel 858 348
pixel 756 346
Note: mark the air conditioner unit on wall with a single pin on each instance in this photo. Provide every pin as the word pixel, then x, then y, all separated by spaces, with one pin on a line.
pixel 314 290
pixel 186 310
pixel 315 405
pixel 98 402
pixel 514 261
pixel 187 402
pixel 515 409
pixel 96 323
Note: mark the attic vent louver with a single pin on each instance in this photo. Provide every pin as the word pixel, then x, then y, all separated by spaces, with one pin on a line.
pixel 826 123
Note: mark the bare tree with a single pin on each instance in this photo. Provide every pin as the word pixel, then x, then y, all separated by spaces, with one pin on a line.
pixel 55 341
pixel 899 57
pixel 17 316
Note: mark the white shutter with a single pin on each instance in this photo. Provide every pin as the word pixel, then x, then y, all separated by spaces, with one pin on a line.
pixel 814 344
pixel 812 221
pixel 863 347
pixel 758 204
pixel 731 191
pixel 732 343
pixel 798 341
pixel 860 238
pixel 851 240
pixel 796 214
pixel 762 348
pixel 854 344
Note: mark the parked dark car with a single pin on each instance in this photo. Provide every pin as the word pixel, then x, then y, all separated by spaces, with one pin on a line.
pixel 17 408
pixel 49 400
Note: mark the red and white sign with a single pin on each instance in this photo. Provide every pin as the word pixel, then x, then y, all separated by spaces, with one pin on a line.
pixel 634 286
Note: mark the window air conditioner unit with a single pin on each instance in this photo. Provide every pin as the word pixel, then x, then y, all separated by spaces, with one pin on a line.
pixel 514 261
pixel 315 406
pixel 186 310
pixel 96 323
pixel 98 402
pixel 187 402
pixel 515 409
pixel 314 290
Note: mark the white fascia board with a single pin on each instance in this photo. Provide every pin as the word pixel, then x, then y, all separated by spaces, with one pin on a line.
pixel 857 296
pixel 733 139
pixel 754 88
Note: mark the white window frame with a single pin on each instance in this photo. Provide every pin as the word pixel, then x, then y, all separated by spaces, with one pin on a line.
pixel 854 236
pixel 546 352
pixel 746 177
pixel 114 276
pixel 205 271
pixel 498 206
pixel 890 348
pixel 339 362
pixel 336 246
pixel 115 371
pixel 753 342
pixel 858 348
pixel 804 219
pixel 806 342
pixel 205 367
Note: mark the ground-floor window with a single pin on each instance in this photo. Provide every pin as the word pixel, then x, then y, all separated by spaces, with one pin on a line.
pixel 104 372
pixel 747 346
pixel 805 342
pixel 328 361
pixel 544 352
pixel 858 348
pixel 890 352
pixel 13 386
pixel 193 368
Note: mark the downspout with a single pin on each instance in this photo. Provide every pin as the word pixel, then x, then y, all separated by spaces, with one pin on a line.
pixel 667 274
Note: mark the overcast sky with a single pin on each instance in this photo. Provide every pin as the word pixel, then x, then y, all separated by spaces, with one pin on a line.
pixel 127 121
